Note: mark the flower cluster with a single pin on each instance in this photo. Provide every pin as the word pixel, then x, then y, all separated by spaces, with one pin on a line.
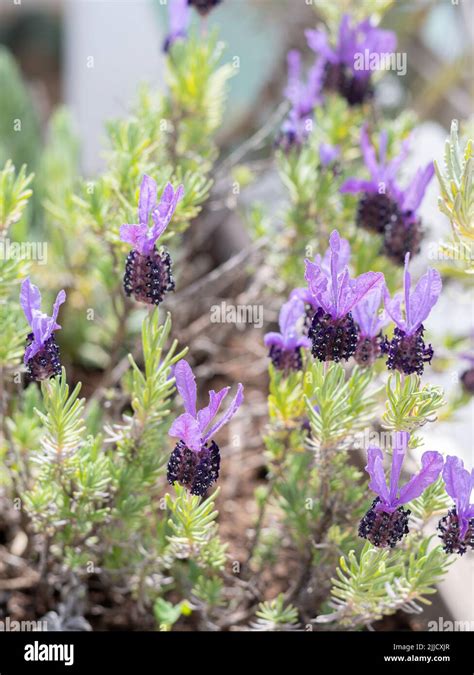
pixel 195 460
pixel 343 317
pixel 342 69
pixel 456 528
pixel 384 207
pixel 285 347
pixel 386 522
pixel 148 271
pixel 42 359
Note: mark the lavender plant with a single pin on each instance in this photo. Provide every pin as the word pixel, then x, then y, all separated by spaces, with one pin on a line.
pixel 107 497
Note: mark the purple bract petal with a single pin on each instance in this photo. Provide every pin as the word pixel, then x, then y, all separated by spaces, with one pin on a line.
pixel 165 209
pixel 399 448
pixel 431 465
pixel 186 428
pixel 230 412
pixel 375 470
pixel 30 299
pixel 367 314
pixel 458 483
pixel 186 385
pixel 147 199
pixel 207 414
pixel 413 195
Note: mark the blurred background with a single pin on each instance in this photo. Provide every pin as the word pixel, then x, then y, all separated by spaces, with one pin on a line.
pixel 92 55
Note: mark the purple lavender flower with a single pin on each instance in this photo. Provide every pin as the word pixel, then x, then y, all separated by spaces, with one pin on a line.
pixel 147 271
pixel 179 16
pixel 303 96
pixel 369 322
pixel 204 6
pixel 285 347
pixel 333 332
pixel 467 378
pixel 41 358
pixel 386 522
pixel 195 460
pixel 328 154
pixel 406 350
pixel 384 207
pixel 344 71
pixel 457 527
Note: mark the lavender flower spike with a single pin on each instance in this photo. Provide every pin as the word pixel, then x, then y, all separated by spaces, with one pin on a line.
pixel 385 207
pixel 457 526
pixel 285 347
pixel 179 16
pixel 386 522
pixel 370 322
pixel 333 331
pixel 195 460
pixel 303 96
pixel 344 64
pixel 407 351
pixel 147 271
pixel 42 353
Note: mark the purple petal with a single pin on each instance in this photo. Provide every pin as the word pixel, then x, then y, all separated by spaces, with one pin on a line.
pixel 393 307
pixel 431 463
pixel 147 199
pixel 328 153
pixel 186 428
pixel 423 298
pixel 354 290
pixel 318 41
pixel 306 296
pixel 291 312
pixel 134 235
pixel 413 195
pixel 207 414
pixel 367 313
pixel 355 185
pixel 399 448
pixel 370 158
pixel 60 298
pixel 231 410
pixel 317 280
pixel 179 15
pixel 186 385
pixel 271 338
pixel 375 470
pixel 165 209
pixel 30 299
pixel 458 483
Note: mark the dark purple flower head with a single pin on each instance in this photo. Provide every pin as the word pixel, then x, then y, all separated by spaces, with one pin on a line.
pixel 370 321
pixel 457 527
pixel 386 522
pixel 345 70
pixel 42 353
pixel 179 15
pixel 195 460
pixel 303 96
pixel 385 207
pixel 467 378
pixel 285 346
pixel 407 351
pixel 147 272
pixel 330 284
pixel 204 6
